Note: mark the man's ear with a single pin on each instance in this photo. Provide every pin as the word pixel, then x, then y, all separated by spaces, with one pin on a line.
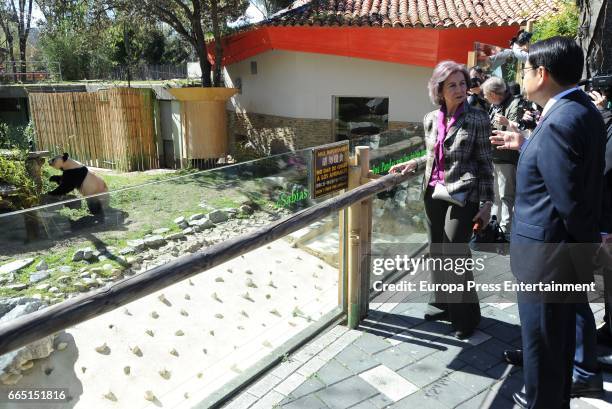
pixel 65 157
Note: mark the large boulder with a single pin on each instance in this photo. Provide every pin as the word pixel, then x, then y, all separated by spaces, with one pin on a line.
pixel 218 216
pixel 13 363
pixel 16 265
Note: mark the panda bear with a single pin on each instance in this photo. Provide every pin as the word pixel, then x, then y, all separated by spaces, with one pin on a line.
pixel 75 175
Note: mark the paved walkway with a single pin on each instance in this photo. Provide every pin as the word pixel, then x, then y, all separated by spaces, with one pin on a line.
pixel 396 359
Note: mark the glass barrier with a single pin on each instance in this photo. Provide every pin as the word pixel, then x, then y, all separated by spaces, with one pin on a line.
pixel 177 346
pixel 397 214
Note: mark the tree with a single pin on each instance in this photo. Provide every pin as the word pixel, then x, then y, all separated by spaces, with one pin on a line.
pixel 21 15
pixel 595 36
pixel 76 34
pixel 268 7
pixel 564 23
pixel 191 19
pixel 7 28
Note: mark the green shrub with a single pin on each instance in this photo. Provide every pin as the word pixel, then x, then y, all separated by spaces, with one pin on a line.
pixel 16 137
pixel 564 23
pixel 13 172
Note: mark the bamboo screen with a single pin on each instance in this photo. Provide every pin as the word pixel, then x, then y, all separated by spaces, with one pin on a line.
pixel 111 128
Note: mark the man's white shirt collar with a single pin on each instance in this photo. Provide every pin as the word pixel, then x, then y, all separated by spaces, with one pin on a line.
pixel 557 97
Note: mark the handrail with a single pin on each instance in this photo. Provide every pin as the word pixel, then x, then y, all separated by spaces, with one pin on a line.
pixel 26 329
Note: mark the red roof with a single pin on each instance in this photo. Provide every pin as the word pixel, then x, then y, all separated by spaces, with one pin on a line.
pixel 413 13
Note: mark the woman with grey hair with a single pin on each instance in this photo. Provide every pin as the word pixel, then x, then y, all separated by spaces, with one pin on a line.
pixel 458 191
pixel 504 108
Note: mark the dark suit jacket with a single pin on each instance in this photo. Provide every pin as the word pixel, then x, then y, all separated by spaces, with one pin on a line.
pixel 559 184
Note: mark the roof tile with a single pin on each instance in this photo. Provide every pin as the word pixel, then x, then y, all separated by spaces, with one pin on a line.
pixel 413 13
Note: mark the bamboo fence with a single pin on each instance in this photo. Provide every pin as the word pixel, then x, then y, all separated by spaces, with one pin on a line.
pixel 110 128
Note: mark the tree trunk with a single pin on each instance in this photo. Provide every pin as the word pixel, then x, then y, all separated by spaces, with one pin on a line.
pixel 23 43
pixel 595 36
pixel 200 46
pixel 214 11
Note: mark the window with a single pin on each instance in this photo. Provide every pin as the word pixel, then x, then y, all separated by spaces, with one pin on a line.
pixel 355 117
pixel 254 67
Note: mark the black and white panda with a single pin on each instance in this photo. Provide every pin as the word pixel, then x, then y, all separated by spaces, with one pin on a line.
pixel 75 175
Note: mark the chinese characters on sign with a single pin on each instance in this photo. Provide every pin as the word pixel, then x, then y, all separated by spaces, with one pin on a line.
pixel 330 169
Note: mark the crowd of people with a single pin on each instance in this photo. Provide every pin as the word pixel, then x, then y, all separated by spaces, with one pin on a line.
pixel 541 161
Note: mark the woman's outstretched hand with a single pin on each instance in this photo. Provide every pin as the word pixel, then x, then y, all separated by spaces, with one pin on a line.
pixel 403 168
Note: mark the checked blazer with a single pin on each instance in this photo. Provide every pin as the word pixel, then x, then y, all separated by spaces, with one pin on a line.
pixel 467 153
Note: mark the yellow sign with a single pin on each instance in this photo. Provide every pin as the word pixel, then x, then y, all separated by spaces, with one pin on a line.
pixel 330 168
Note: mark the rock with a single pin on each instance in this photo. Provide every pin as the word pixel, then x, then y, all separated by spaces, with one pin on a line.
pixel 103 349
pixel 196 216
pixel 160 231
pixel 65 269
pixel 61 346
pixel 246 209
pixel 400 198
pixel 110 396
pixel 42 265
pixel 126 250
pixel 150 396
pixel 137 245
pixel 64 279
pixel 81 287
pixel 91 256
pixel 43 287
pixel 193 247
pixel 107 267
pixel 202 224
pixel 136 351
pixel 155 241
pixel 85 274
pixel 39 276
pixel 179 333
pixel 16 287
pixel 274 181
pixel 54 290
pixel 175 236
pixel 11 362
pixel 414 194
pixel 179 220
pixel 89 282
pixel 15 266
pixel 188 230
pixel 126 370
pixel 218 216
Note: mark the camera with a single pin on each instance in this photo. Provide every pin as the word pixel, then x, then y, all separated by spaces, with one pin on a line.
pixel 601 83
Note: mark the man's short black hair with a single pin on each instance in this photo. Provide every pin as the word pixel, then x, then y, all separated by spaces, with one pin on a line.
pixel 475 82
pixel 561 56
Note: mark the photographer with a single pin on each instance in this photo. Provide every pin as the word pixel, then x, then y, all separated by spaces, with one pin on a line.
pixel 504 108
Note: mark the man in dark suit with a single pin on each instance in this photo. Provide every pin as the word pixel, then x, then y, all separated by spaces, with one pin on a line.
pixel 556 226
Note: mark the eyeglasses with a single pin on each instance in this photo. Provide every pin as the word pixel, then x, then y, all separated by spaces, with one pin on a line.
pixel 523 70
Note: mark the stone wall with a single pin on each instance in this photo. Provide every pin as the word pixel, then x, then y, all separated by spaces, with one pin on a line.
pixel 269 134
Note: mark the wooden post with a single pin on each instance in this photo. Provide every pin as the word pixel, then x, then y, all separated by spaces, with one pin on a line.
pixel 365 229
pixel 354 279
pixel 342 261
pixel 471 59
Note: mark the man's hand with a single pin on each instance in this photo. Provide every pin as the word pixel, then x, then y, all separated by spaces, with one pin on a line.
pixel 501 120
pixel 507 140
pixel 484 214
pixel 598 99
